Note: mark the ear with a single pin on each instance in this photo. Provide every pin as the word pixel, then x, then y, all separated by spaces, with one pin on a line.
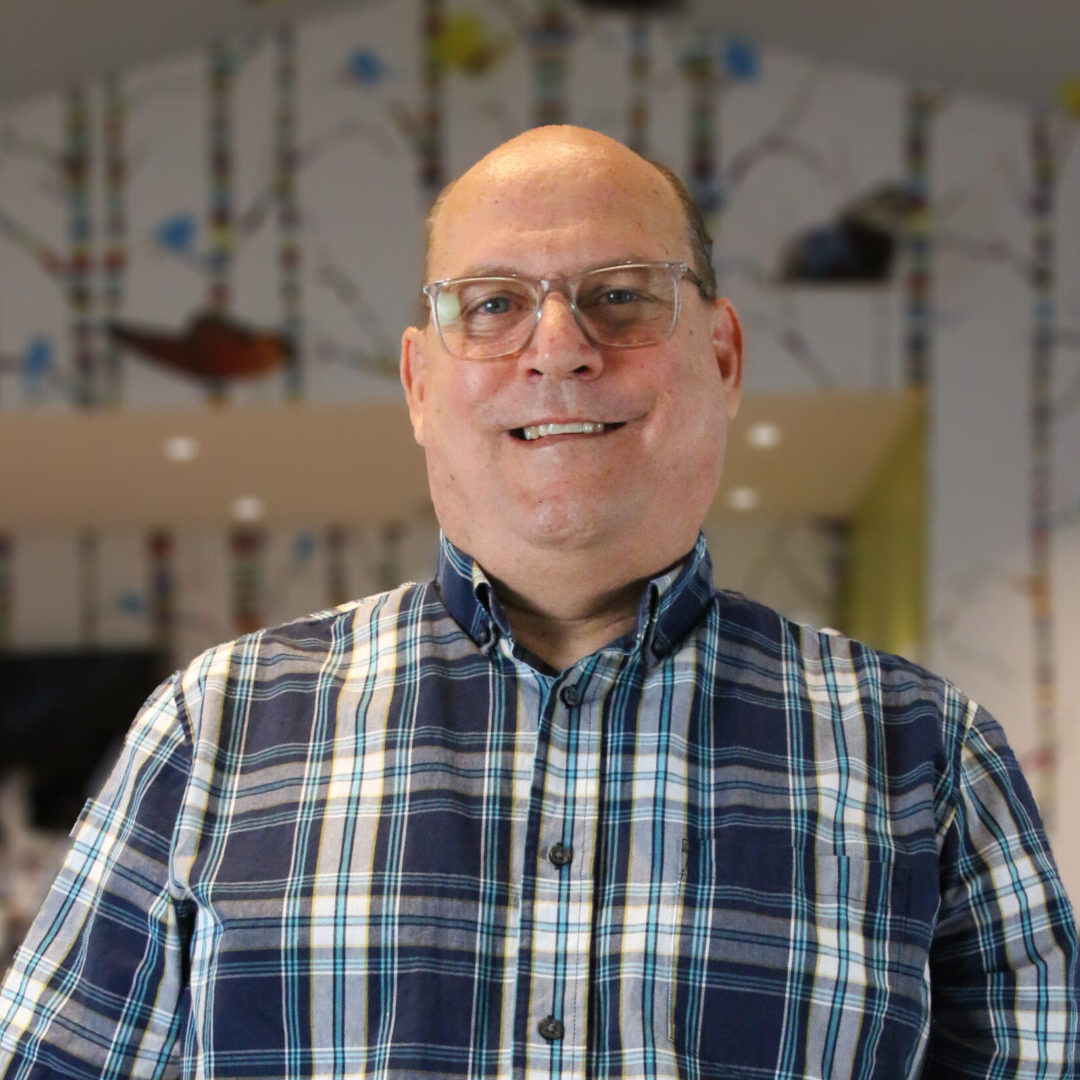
pixel 728 349
pixel 413 372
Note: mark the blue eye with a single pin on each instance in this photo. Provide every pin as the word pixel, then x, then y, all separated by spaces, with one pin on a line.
pixel 612 296
pixel 495 305
pixel 492 302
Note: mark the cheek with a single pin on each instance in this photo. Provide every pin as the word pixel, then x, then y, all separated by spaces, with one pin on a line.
pixel 467 395
pixel 461 439
pixel 695 427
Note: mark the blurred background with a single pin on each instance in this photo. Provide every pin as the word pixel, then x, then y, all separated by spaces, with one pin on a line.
pixel 210 237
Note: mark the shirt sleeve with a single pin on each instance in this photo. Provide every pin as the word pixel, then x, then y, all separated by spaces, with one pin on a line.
pixel 1003 963
pixel 97 988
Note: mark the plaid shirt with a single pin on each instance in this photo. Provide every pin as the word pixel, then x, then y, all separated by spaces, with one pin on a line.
pixel 385 842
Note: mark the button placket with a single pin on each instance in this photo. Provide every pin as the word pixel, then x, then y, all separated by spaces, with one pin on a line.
pixel 562 901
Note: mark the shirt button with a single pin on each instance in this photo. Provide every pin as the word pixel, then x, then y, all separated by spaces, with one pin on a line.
pixel 570 695
pixel 551 1028
pixel 560 854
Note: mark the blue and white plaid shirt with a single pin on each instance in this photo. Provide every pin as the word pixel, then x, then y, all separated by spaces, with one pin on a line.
pixel 380 842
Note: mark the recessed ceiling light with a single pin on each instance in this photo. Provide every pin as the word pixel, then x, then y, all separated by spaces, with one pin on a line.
pixel 248 508
pixel 180 448
pixel 764 435
pixel 743 498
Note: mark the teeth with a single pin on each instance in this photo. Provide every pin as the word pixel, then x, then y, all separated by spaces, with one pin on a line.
pixel 583 427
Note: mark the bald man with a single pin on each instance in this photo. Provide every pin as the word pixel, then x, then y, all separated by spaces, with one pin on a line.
pixel 567 809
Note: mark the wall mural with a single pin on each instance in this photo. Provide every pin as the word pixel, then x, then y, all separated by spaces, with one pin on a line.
pixel 243 225
pixel 212 347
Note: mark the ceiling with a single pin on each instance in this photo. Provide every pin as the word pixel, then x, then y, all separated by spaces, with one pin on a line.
pixel 1020 50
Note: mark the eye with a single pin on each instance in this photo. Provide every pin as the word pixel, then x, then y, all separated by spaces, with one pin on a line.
pixel 617 296
pixel 483 302
pixel 619 289
pixel 493 305
pixel 608 295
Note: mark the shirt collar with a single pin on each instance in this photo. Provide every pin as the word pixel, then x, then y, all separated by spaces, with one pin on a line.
pixel 671 603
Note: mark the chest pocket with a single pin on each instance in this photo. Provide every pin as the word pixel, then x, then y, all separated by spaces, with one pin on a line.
pixel 797 963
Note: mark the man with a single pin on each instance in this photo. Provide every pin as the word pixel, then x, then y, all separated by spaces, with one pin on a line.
pixel 566 810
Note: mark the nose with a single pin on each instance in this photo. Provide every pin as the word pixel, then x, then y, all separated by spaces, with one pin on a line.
pixel 559 347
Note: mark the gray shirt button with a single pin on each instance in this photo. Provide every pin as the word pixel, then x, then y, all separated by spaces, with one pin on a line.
pixel 551 1028
pixel 560 854
pixel 570 695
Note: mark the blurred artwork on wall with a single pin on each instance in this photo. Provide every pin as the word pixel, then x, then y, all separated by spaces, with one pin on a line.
pixel 212 346
pixel 859 246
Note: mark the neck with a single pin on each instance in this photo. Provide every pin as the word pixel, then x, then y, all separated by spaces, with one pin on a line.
pixel 564 630
pixel 565 604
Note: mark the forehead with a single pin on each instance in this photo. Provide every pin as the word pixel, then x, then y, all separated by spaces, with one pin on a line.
pixel 549 213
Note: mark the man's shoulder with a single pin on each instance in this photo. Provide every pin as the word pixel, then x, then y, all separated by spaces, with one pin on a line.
pixel 364 616
pixel 816 655
pixel 313 637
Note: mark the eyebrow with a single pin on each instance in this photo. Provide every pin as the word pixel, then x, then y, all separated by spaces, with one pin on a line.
pixel 506 270
pixel 489 270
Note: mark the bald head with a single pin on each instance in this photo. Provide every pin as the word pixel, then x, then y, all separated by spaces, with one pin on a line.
pixel 564 153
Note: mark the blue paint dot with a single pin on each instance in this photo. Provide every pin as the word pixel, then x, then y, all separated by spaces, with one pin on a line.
pixel 740 59
pixel 131 603
pixel 365 67
pixel 303 547
pixel 177 233
pixel 37 358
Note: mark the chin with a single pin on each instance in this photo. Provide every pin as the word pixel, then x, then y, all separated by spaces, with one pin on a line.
pixel 571 523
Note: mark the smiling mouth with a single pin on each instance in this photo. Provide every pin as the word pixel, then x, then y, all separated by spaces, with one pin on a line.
pixel 577 427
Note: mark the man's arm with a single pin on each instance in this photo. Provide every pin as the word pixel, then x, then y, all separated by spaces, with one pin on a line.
pixel 1005 983
pixel 96 988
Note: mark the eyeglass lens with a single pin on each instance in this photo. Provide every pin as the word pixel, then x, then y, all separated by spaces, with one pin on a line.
pixel 623 306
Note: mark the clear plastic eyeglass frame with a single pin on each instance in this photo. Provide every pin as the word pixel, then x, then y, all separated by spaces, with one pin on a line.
pixel 445 309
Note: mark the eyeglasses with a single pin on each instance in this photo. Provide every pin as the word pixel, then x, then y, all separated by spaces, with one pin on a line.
pixel 623 307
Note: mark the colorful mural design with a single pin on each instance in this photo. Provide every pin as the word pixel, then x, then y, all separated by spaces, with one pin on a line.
pixel 920 110
pixel 465 44
pixel 429 140
pixel 288 209
pixel 247 547
pixel 80 250
pixel 162 588
pixel 19 235
pixel 550 37
pixel 213 347
pixel 35 367
pixel 114 253
pixel 640 70
pixel 336 576
pixel 1044 182
pixel 220 74
pixel 702 174
pixel 858 247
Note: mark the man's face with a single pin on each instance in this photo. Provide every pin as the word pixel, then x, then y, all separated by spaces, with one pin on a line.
pixel 549 205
